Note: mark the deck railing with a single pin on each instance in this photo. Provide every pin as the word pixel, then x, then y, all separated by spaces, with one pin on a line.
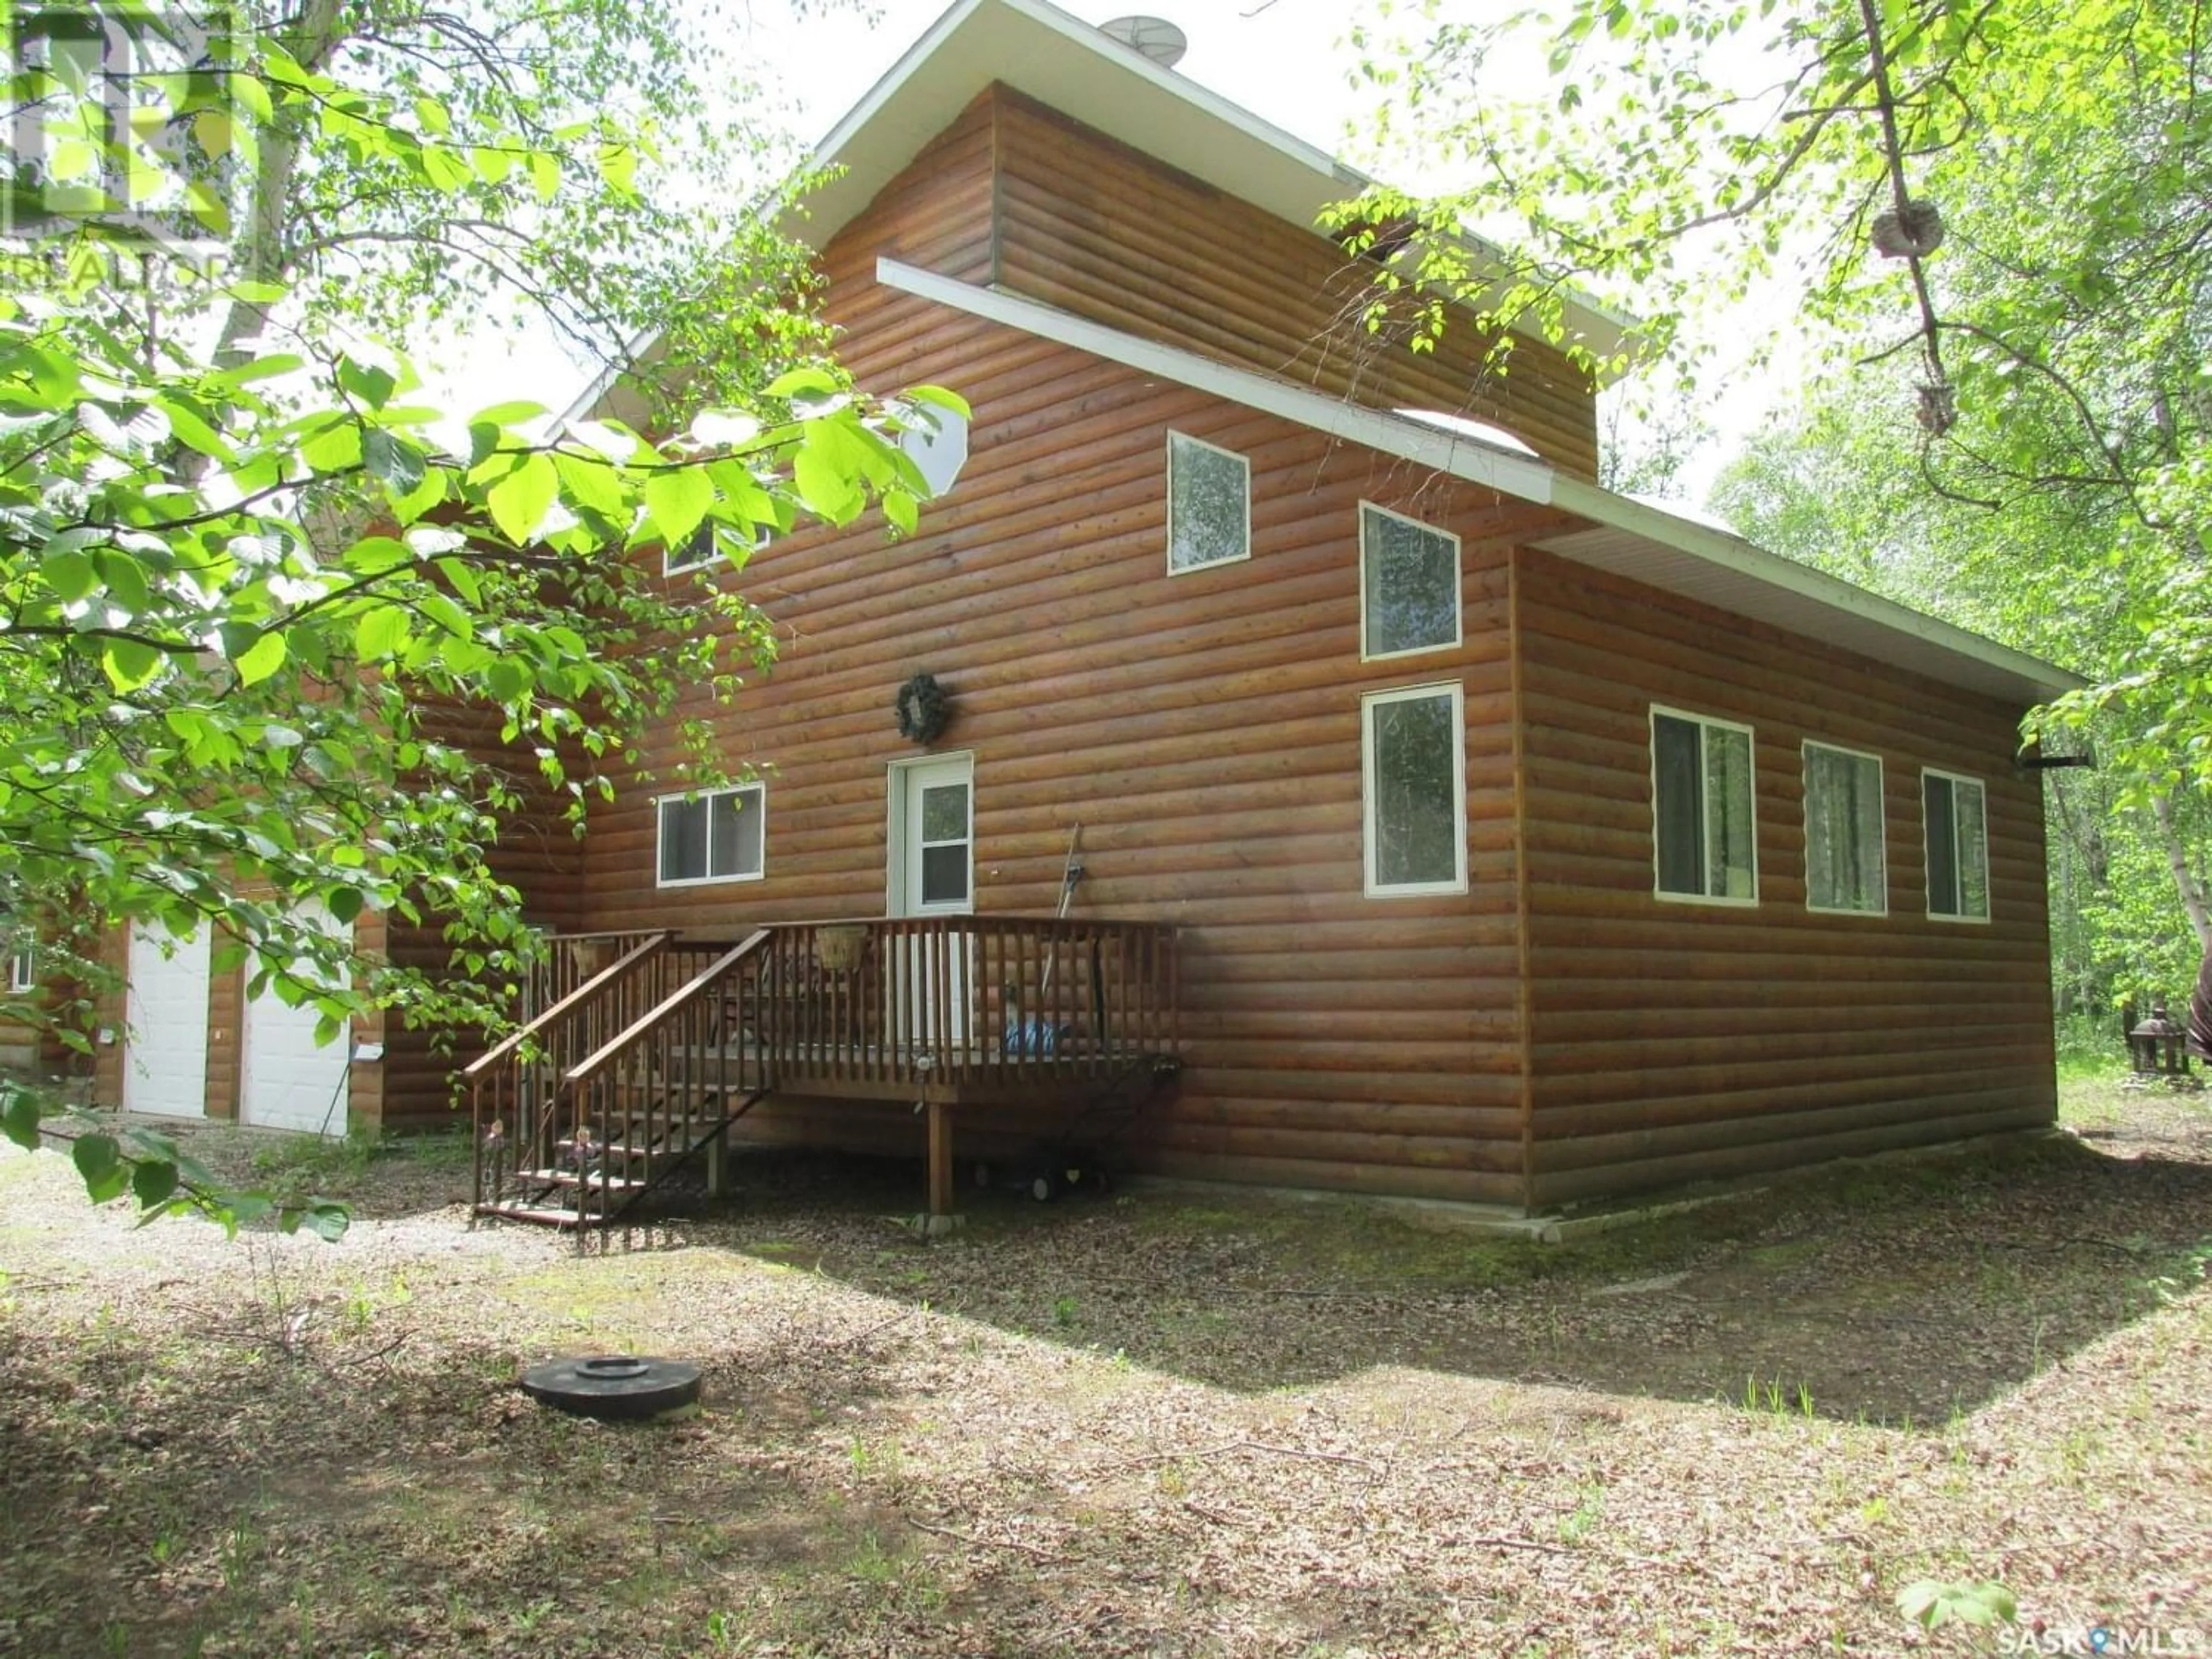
pixel 960 1000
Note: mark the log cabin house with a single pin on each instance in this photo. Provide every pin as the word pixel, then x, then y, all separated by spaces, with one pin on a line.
pixel 1446 825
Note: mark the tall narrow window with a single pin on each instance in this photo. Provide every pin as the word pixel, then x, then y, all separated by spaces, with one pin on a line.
pixel 1957 811
pixel 1209 505
pixel 946 843
pixel 1408 585
pixel 1703 826
pixel 722 837
pixel 1845 868
pixel 1414 754
pixel 23 970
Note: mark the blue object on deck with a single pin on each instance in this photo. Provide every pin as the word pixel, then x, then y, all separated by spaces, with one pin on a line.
pixel 1032 1035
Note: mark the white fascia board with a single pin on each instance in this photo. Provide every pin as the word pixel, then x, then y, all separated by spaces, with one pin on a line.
pixel 1734 554
pixel 888 83
pixel 605 381
pixel 1460 457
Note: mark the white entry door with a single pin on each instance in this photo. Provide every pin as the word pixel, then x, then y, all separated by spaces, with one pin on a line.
pixel 287 1080
pixel 165 1040
pixel 932 873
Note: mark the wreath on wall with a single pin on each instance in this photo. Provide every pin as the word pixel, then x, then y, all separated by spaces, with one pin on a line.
pixel 924 707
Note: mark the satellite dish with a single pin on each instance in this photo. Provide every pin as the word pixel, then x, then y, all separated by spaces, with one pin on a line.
pixel 1155 37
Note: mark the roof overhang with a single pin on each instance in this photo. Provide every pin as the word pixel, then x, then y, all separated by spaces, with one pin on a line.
pixel 1613 533
pixel 1061 61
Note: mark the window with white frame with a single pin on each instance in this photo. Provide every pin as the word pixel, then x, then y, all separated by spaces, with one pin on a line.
pixel 1209 505
pixel 1408 585
pixel 699 549
pixel 1845 865
pixel 1704 825
pixel 1957 813
pixel 721 837
pixel 1413 754
pixel 23 970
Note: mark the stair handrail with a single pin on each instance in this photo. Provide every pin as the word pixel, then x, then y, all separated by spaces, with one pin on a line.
pixel 577 1094
pixel 508 1048
pixel 567 1006
pixel 582 1074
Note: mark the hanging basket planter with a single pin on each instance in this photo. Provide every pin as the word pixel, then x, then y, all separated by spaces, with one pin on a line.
pixel 839 948
pixel 924 709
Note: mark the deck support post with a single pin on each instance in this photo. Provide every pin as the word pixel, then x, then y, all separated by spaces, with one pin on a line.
pixel 718 1163
pixel 940 1158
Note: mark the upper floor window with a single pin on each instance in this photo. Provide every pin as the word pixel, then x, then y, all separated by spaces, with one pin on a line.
pixel 1408 585
pixel 1704 825
pixel 1209 505
pixel 1413 752
pixel 1845 867
pixel 23 970
pixel 1957 811
pixel 721 836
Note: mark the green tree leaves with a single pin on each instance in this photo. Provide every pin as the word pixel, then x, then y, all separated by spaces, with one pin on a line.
pixel 246 600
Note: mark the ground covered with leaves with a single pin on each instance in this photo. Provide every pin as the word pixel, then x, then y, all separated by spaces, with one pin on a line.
pixel 1161 1422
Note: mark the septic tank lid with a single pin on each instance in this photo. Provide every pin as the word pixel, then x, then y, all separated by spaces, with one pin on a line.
pixel 612 1385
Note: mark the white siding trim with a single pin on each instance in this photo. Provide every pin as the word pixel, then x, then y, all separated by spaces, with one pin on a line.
pixel 1463 458
pixel 1746 578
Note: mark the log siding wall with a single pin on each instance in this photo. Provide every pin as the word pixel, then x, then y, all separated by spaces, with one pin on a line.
pixel 1671 1041
pixel 1096 227
pixel 1552 1034
pixel 1204 728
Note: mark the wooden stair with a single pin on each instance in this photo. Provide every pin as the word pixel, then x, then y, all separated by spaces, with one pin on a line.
pixel 547 1196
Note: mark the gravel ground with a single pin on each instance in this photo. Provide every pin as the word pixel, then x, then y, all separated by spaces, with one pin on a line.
pixel 1157 1423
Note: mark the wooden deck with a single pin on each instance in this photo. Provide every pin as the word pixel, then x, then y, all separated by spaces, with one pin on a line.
pixel 649 1045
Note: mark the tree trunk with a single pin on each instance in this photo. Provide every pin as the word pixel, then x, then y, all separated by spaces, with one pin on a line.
pixel 2191 888
pixel 259 253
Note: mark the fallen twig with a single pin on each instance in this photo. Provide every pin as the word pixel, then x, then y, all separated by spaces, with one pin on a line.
pixel 1032 1549
pixel 1629 1556
pixel 1372 1467
pixel 862 1335
pixel 1214 1516
pixel 1150 1458
pixel 1524 1544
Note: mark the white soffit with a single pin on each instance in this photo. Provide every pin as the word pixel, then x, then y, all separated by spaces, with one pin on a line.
pixel 1625 537
pixel 1441 451
pixel 1648 545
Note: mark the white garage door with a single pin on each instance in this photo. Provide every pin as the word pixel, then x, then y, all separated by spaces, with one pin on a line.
pixel 286 1081
pixel 165 1039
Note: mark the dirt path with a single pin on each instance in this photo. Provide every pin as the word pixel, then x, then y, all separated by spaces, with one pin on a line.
pixel 1154 1424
